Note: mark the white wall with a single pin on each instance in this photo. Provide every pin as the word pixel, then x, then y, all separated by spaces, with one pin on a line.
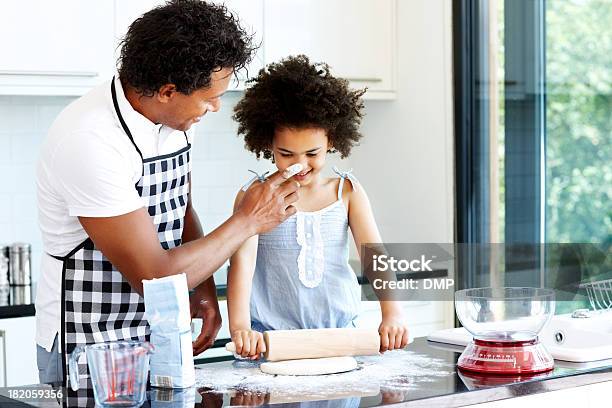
pixel 404 161
pixel 23 124
pixel 406 158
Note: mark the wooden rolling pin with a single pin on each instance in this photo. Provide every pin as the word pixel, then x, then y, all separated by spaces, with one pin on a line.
pixel 317 343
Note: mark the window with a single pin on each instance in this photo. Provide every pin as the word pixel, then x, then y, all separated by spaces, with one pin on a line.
pixel 533 124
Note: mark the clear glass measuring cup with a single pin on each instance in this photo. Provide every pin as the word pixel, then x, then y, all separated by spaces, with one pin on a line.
pixel 118 371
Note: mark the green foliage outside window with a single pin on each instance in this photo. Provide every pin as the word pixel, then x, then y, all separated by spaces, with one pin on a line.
pixel 579 121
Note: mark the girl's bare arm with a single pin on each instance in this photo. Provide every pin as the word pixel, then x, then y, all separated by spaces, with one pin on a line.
pixel 393 330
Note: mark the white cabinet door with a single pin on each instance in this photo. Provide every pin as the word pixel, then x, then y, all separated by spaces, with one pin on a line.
pixel 356 38
pixel 55 47
pixel 20 352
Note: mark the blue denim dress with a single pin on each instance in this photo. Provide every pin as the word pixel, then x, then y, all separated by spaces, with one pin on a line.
pixel 302 277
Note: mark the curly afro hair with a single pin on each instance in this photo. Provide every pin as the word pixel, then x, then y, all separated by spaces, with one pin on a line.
pixel 294 93
pixel 182 42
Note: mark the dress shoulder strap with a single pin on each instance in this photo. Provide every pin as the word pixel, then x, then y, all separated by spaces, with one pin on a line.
pixel 345 175
pixel 261 177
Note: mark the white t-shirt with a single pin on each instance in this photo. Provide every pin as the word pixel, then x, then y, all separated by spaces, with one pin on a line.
pixel 88 167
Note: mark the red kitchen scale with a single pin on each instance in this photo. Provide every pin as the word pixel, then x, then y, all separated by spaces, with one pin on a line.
pixel 505 323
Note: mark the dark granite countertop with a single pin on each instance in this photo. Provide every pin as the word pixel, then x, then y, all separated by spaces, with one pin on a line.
pixel 420 386
pixel 17 301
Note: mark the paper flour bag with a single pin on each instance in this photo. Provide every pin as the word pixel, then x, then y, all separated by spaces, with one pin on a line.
pixel 167 311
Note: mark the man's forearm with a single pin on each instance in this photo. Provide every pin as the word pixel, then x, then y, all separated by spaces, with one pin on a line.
pixel 192 230
pixel 202 257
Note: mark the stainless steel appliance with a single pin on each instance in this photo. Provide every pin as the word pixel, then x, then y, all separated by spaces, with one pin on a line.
pixel 20 264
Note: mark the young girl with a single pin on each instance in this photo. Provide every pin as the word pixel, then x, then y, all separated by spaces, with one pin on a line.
pixel 297 275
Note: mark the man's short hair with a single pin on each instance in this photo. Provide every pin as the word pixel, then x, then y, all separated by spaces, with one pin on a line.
pixel 182 42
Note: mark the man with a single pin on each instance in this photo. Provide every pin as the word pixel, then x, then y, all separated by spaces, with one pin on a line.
pixel 114 186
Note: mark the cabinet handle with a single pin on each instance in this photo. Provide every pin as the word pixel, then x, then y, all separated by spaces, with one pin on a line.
pixel 359 79
pixel 51 73
pixel 3 335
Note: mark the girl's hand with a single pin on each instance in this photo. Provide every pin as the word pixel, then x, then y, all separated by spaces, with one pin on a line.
pixel 393 332
pixel 249 343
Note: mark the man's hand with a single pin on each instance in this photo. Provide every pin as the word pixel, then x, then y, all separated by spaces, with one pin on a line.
pixel 206 309
pixel 267 204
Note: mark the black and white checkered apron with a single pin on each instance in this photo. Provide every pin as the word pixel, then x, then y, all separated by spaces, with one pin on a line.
pixel 98 304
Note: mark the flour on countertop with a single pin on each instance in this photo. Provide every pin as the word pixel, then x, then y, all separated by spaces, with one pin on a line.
pixel 394 371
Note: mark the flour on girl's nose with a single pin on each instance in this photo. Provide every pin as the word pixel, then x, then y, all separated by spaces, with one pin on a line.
pixel 292 170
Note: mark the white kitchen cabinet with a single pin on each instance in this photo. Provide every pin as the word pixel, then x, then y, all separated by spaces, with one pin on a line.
pixel 55 47
pixel 357 38
pixel 66 47
pixel 20 351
